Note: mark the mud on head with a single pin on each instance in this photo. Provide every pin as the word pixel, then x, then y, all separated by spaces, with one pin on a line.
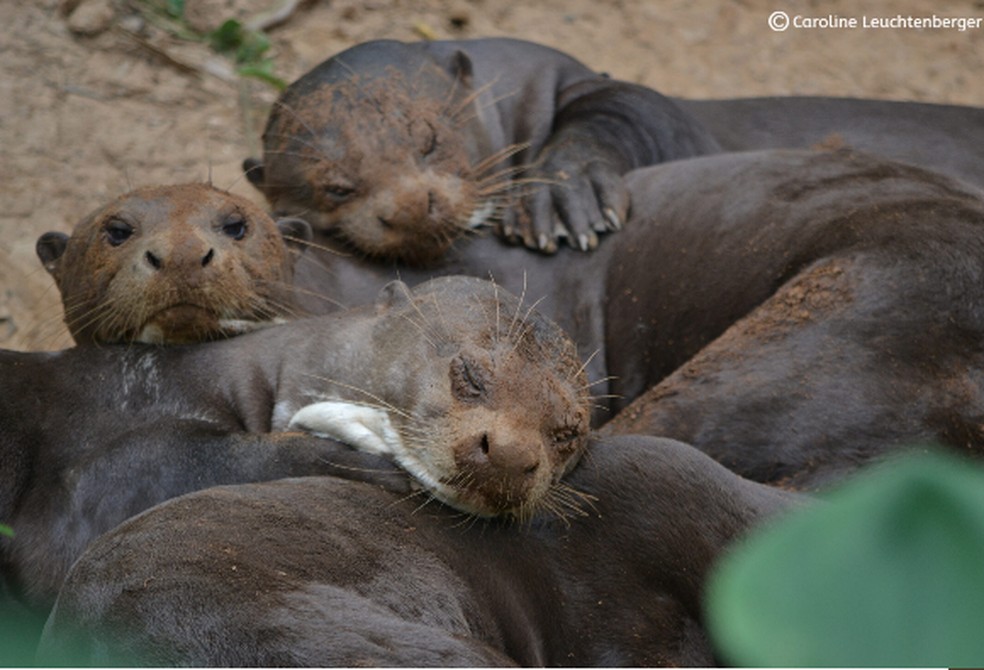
pixel 173 264
pixel 486 403
pixel 381 146
pixel 509 413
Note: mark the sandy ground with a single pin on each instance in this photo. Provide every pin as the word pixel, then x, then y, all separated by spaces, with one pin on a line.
pixel 95 100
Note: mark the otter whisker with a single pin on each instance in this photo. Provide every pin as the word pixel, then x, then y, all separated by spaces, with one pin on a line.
pixel 586 363
pixel 353 468
pixel 466 102
pixel 383 404
pixel 410 496
pixel 597 381
pixel 480 167
pixel 519 305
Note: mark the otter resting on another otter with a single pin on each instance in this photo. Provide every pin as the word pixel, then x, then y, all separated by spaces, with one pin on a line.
pixel 387 143
pixel 483 400
pixel 174 264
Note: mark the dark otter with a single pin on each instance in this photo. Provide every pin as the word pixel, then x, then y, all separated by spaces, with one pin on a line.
pixel 483 399
pixel 944 138
pixel 761 241
pixel 854 289
pixel 286 573
pixel 402 148
pixel 173 264
pixel 707 248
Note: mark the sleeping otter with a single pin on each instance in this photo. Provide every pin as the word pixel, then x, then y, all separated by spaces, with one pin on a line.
pixel 479 397
pixel 401 148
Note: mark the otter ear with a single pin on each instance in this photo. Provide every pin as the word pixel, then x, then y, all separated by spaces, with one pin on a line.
pixel 253 167
pixel 296 232
pixel 50 247
pixel 461 67
pixel 394 294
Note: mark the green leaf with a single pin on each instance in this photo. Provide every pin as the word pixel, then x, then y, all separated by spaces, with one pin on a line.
pixel 175 8
pixel 887 571
pixel 227 37
pixel 264 72
pixel 6 530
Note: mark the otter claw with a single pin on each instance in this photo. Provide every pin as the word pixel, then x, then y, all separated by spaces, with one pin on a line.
pixel 545 244
pixel 614 223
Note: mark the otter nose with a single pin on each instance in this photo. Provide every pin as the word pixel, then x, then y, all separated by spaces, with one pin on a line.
pixel 499 454
pixel 158 259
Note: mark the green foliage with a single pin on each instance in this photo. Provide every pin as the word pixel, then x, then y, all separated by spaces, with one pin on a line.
pixel 174 8
pixel 247 48
pixel 887 571
pixel 6 530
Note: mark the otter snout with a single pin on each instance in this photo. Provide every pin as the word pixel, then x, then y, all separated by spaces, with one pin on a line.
pixel 497 455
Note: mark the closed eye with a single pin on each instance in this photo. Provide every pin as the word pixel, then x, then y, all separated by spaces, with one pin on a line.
pixel 339 192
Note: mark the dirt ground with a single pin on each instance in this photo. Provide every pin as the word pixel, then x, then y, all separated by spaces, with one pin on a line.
pixel 96 99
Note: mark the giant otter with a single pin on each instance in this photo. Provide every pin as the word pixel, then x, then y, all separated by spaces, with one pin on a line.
pixel 714 239
pixel 403 148
pixel 173 265
pixel 323 572
pixel 389 144
pixel 842 288
pixel 483 400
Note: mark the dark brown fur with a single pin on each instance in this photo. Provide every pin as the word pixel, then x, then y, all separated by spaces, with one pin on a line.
pixel 287 574
pixel 92 435
pixel 401 149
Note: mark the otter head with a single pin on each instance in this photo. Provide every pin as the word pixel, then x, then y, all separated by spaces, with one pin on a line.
pixel 173 264
pixel 481 399
pixel 381 146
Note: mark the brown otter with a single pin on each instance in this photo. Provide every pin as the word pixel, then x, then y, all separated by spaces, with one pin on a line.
pixel 173 265
pixel 285 573
pixel 719 281
pixel 699 260
pixel 483 399
pixel 400 148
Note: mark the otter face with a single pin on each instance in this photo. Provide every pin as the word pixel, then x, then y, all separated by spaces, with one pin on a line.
pixel 483 401
pixel 381 162
pixel 171 265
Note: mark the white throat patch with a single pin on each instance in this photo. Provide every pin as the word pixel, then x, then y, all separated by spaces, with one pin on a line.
pixel 364 428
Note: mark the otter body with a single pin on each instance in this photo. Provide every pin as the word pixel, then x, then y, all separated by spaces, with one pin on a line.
pixel 944 138
pixel 286 574
pixel 389 144
pixel 715 239
pixel 444 399
pixel 400 149
pixel 864 268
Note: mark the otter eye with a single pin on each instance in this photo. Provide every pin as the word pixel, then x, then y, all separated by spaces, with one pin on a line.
pixel 469 380
pixel 430 144
pixel 424 136
pixel 565 435
pixel 234 227
pixel 118 231
pixel 339 191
